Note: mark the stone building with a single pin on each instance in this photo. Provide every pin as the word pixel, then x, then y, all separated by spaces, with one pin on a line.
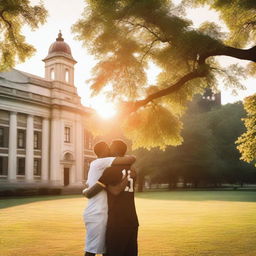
pixel 43 136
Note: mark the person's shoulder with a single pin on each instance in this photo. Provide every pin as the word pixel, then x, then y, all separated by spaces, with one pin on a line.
pixel 102 161
pixel 94 161
pixel 119 167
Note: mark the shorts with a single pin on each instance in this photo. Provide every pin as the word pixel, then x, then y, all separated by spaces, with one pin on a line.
pixel 122 241
pixel 95 241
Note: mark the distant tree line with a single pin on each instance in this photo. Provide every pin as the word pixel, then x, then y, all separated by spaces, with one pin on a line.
pixel 208 155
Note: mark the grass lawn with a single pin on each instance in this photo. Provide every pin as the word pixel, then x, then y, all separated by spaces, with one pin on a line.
pixel 171 223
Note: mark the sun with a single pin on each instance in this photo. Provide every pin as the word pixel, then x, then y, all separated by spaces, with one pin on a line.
pixel 104 109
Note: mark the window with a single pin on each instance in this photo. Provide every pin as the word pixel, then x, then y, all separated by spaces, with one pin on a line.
pixel 21 166
pixel 37 140
pixel 67 76
pixel 1 137
pixel 52 75
pixel 4 134
pixel 21 138
pixel 68 157
pixel 88 140
pixel 3 165
pixel 37 166
pixel 67 132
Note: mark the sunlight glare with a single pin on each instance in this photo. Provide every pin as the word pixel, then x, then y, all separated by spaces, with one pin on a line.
pixel 103 108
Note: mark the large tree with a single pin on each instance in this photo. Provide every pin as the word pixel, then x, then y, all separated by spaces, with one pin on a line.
pixel 247 141
pixel 208 155
pixel 14 14
pixel 127 35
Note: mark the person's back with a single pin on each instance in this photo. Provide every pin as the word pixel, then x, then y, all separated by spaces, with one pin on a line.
pixel 97 204
pixel 95 214
pixel 121 207
pixel 122 226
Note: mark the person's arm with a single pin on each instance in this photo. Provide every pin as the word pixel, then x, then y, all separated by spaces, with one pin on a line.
pixel 117 189
pixel 126 160
pixel 94 190
pixel 104 163
pixel 99 186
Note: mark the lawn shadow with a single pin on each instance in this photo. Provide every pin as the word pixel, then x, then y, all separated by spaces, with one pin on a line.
pixel 11 202
pixel 233 196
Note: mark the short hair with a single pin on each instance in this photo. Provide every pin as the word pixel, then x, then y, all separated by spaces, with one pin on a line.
pixel 118 147
pixel 100 149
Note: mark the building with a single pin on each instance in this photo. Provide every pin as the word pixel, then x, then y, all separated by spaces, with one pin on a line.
pixel 205 102
pixel 43 136
pixel 209 100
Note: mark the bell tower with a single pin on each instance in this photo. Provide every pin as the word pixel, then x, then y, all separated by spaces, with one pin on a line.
pixel 59 63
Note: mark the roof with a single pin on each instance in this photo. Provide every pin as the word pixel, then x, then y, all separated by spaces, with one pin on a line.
pixel 59 49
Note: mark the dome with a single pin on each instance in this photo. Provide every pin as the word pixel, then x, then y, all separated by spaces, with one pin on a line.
pixel 59 46
pixel 59 49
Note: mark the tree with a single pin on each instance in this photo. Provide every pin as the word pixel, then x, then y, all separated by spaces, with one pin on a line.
pixel 14 14
pixel 247 141
pixel 208 155
pixel 194 160
pixel 226 125
pixel 126 36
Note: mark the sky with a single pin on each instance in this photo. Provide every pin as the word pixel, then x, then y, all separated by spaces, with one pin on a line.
pixel 64 13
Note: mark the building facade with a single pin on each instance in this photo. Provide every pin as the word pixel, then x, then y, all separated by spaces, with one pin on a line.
pixel 43 135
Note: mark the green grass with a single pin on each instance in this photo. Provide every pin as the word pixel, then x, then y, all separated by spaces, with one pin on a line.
pixel 171 223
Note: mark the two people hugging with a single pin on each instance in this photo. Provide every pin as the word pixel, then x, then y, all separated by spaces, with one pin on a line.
pixel 110 216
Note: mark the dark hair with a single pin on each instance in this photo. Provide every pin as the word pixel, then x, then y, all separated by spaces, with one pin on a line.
pixel 101 149
pixel 118 148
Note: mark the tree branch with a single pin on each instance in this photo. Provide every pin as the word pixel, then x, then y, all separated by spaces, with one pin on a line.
pixel 130 107
pixel 5 20
pixel 148 50
pixel 242 54
pixel 149 30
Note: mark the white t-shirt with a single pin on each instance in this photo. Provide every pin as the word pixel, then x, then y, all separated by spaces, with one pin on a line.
pixel 97 205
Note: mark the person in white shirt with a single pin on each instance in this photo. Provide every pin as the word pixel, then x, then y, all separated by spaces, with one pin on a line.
pixel 96 212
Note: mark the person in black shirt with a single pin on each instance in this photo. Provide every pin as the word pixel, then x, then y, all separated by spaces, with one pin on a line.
pixel 122 225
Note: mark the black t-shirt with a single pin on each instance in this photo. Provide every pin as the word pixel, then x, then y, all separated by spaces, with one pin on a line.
pixel 121 208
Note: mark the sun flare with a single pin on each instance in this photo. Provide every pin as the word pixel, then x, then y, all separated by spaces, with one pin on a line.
pixel 104 109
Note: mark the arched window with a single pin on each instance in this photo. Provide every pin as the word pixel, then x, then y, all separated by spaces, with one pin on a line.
pixel 52 74
pixel 68 157
pixel 67 75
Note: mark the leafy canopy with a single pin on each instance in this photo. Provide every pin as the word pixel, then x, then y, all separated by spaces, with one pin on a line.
pixel 247 141
pixel 14 14
pixel 127 35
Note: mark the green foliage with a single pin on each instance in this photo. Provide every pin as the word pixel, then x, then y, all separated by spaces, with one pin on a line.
pixel 247 141
pixel 242 27
pixel 13 15
pixel 151 126
pixel 126 36
pixel 208 154
pixel 252 69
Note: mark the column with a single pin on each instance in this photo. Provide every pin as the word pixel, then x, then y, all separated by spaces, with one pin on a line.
pixel 55 142
pixel 45 150
pixel 79 158
pixel 29 161
pixel 12 159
